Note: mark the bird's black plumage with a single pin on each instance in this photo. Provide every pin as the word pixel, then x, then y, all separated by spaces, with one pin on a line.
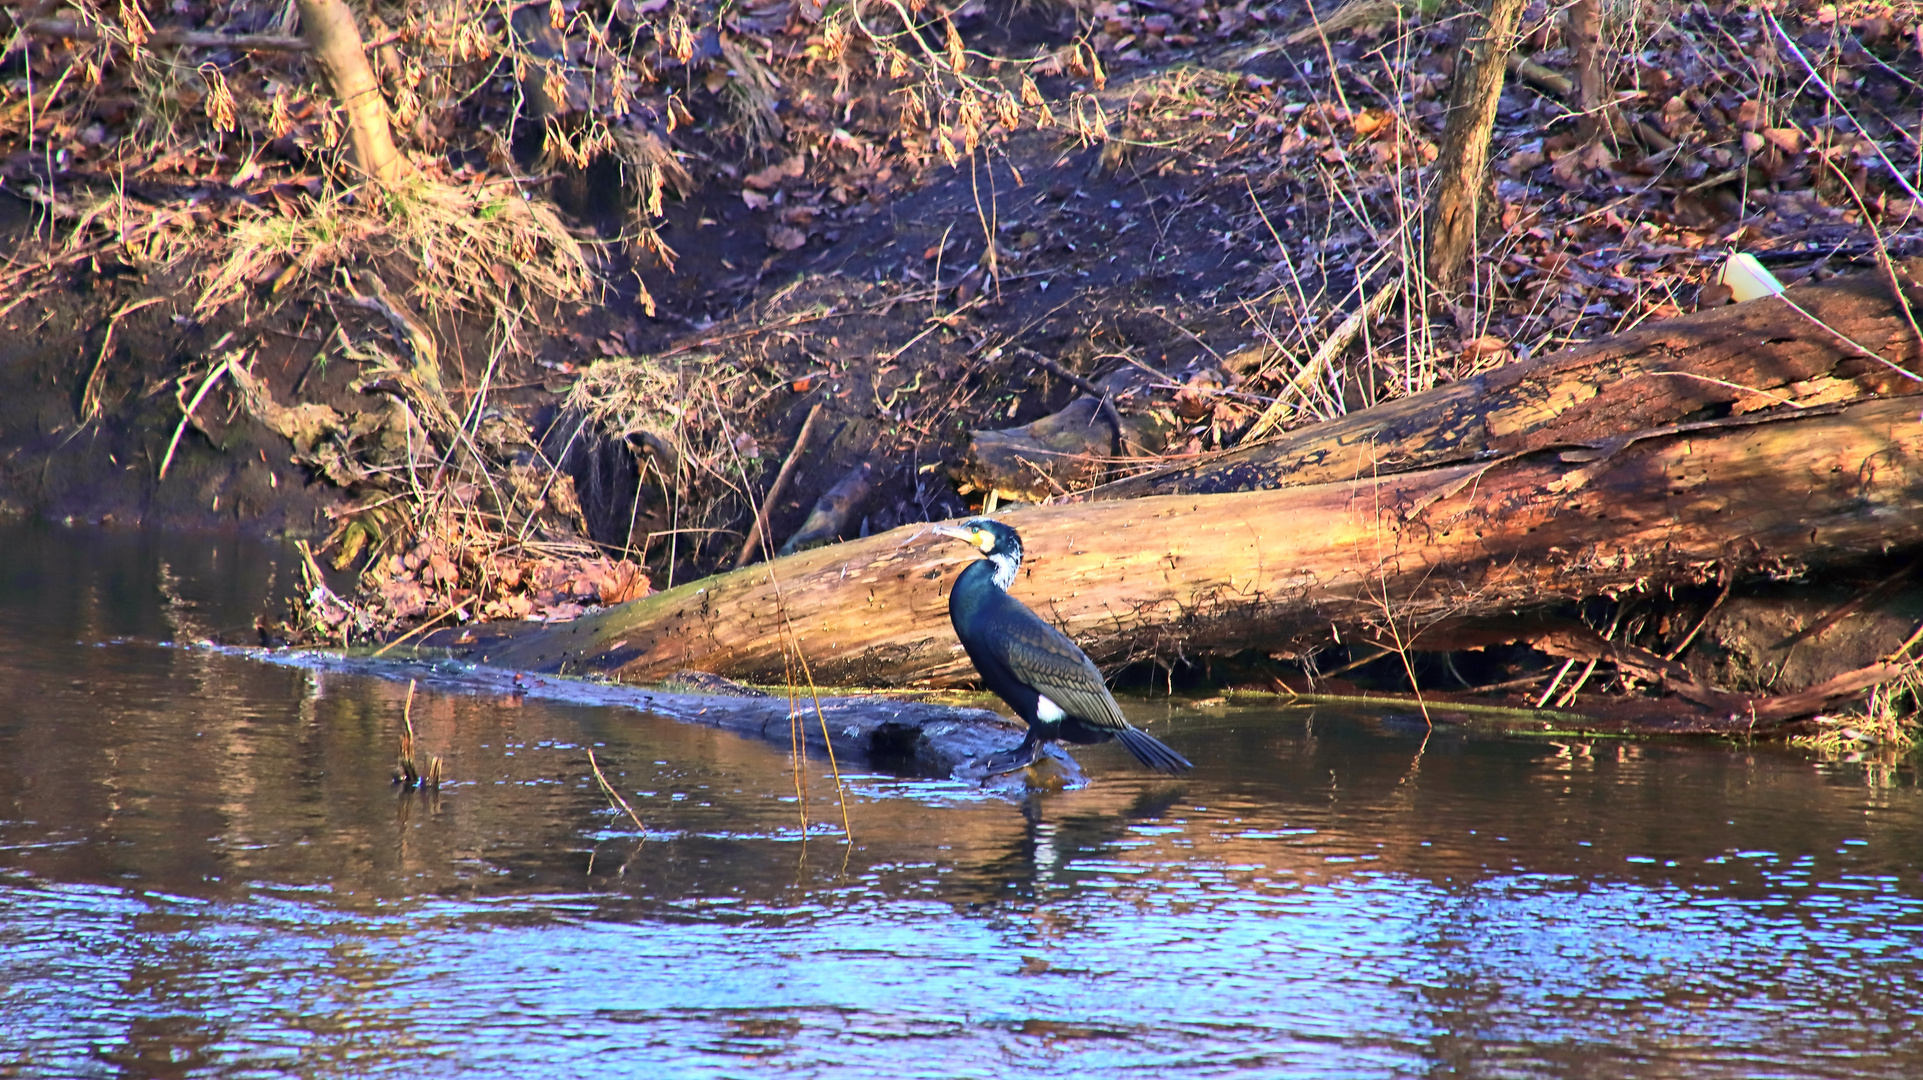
pixel 1043 675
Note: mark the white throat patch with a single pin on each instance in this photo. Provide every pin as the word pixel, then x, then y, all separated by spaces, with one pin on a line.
pixel 1005 568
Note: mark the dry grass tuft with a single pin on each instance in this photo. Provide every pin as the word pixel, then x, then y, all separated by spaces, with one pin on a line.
pixel 1890 725
pixel 472 246
pixel 752 91
pixel 684 418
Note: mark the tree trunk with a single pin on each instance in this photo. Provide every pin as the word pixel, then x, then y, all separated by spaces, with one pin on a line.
pixel 1730 360
pixel 1462 165
pixel 1584 30
pixel 1379 557
pixel 329 27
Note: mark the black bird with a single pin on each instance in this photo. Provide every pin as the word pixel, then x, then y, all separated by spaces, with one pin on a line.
pixel 1046 678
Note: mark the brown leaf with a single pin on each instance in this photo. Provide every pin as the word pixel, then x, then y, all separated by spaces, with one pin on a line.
pixel 1370 121
pixel 786 238
pixel 1586 158
pixel 1715 294
pixel 627 582
pixel 1522 161
pixel 1677 116
pixel 774 174
pixel 1788 140
pixel 1486 345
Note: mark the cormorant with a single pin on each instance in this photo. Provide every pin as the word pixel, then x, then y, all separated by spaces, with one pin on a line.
pixel 1045 677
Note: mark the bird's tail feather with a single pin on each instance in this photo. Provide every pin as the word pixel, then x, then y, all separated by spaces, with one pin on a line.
pixel 1149 751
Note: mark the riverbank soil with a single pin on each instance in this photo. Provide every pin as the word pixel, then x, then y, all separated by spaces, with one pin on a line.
pixel 661 287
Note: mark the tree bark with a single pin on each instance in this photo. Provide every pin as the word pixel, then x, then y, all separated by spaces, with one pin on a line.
pixel 1766 354
pixel 1384 557
pixel 1462 163
pixel 1584 29
pixel 329 27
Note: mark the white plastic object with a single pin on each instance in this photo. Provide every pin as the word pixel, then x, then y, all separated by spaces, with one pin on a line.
pixel 1747 279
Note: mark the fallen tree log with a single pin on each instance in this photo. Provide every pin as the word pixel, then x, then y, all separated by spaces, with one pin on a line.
pixel 1816 344
pixel 1386 556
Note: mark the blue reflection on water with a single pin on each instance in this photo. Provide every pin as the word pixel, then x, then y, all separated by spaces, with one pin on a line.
pixel 1374 975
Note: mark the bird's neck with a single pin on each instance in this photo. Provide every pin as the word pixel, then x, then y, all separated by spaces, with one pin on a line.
pixel 1005 567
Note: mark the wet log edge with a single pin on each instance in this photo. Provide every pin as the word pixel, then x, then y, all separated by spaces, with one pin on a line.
pixel 907 738
pixel 941 742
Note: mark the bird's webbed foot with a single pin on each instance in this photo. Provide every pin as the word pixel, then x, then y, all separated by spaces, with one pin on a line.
pixel 1013 760
pixel 1041 766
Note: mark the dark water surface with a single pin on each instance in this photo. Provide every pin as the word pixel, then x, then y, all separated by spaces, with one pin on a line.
pixel 204 871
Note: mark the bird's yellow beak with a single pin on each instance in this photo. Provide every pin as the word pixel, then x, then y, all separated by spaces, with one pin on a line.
pixel 977 537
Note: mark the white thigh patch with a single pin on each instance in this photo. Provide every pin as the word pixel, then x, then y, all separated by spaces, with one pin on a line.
pixel 1047 711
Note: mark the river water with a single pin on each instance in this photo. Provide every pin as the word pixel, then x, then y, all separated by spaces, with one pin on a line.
pixel 206 872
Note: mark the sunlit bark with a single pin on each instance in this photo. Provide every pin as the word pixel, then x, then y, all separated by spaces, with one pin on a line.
pixel 329 27
pixel 1462 165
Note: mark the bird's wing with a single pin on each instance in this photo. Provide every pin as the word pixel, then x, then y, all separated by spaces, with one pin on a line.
pixel 1046 659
